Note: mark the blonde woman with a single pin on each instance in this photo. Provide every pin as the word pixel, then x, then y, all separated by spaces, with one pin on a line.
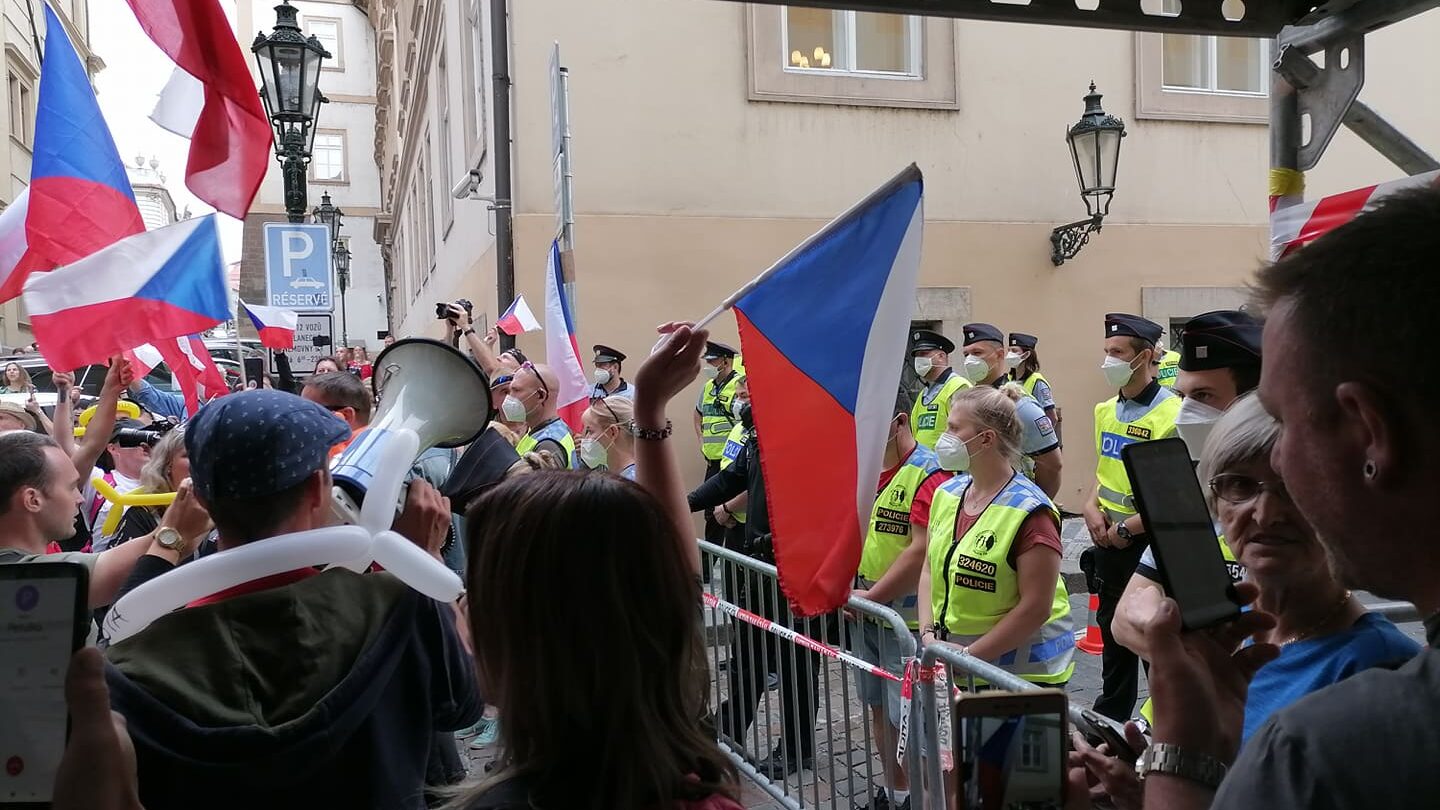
pixel 607 442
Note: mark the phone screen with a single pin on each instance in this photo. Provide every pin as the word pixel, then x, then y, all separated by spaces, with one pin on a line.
pixel 1169 498
pixel 37 637
pixel 1018 761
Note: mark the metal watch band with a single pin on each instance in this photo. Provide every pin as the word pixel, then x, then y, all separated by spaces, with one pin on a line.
pixel 651 434
pixel 1175 761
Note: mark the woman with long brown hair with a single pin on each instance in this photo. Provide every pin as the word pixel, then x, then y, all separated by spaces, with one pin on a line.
pixel 583 606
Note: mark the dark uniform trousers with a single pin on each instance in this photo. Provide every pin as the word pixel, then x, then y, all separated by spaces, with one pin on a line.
pixel 754 654
pixel 1119 670
pixel 714 532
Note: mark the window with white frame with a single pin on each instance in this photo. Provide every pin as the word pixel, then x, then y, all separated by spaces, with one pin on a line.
pixel 1034 754
pixel 427 205
pixel 447 203
pixel 474 84
pixel 327 30
pixel 327 157
pixel 21 87
pixel 1210 64
pixel 852 42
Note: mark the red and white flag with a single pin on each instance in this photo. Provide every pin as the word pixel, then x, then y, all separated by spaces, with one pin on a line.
pixel 275 325
pixel 200 380
pixel 228 131
pixel 1295 226
pixel 517 318
pixel 562 353
pixel 13 244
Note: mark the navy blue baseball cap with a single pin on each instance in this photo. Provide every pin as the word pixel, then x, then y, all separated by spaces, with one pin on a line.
pixel 256 443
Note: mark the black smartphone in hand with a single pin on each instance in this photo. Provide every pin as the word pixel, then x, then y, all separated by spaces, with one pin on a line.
pixel 1182 533
pixel 44 619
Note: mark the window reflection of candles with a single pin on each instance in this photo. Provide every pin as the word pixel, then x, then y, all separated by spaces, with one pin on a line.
pixel 819 58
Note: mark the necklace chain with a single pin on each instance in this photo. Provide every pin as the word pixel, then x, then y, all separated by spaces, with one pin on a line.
pixel 1335 611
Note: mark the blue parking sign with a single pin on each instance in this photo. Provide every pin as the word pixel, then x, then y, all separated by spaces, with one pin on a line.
pixel 297 266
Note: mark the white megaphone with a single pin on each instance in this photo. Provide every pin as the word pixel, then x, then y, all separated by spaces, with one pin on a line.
pixel 430 396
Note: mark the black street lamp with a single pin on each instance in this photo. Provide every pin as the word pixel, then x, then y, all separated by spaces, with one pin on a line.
pixel 1095 149
pixel 342 277
pixel 331 216
pixel 289 72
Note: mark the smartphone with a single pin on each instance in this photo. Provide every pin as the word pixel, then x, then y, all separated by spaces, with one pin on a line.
pixel 1099 729
pixel 44 619
pixel 1182 534
pixel 1014 746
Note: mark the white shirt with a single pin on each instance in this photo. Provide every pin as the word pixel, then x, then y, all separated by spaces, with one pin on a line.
pixel 123 485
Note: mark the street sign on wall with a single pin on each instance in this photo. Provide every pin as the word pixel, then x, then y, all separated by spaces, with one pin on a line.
pixel 306 354
pixel 297 267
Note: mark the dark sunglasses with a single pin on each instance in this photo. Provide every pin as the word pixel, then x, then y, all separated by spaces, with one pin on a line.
pixel 1241 489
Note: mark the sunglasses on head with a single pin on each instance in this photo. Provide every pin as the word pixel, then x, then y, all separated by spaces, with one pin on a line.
pixel 531 368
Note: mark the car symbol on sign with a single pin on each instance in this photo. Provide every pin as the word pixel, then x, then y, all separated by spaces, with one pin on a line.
pixel 306 281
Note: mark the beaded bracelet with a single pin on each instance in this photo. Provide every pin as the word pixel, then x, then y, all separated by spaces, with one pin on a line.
pixel 651 434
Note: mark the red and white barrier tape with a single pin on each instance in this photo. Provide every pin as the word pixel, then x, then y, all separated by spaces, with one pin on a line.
pixel 711 600
pixel 1295 226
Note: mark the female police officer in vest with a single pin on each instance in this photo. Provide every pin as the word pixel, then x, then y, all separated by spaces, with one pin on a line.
pixel 992 568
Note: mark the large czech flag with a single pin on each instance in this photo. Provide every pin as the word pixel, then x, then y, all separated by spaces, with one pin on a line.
pixel 145 288
pixel 823 334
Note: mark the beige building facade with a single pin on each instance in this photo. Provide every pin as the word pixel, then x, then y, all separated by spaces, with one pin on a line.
pixel 711 137
pixel 23 23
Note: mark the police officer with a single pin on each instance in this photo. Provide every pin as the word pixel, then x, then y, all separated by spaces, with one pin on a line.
pixel 531 400
pixel 715 417
pixel 985 365
pixel 1142 410
pixel 1024 364
pixel 608 382
pixel 1167 368
pixel 731 514
pixel 930 357
pixel 1219 363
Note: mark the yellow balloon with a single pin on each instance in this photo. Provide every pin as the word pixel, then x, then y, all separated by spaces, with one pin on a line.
pixel 112 521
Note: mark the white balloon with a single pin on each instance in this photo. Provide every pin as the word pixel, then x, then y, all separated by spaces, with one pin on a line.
pixel 226 569
pixel 412 566
pixel 388 470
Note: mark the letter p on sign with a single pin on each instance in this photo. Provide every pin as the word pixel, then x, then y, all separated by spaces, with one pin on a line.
pixel 296 246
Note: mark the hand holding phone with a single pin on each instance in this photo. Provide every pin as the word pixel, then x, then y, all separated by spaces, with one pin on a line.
pixel 1015 746
pixel 44 619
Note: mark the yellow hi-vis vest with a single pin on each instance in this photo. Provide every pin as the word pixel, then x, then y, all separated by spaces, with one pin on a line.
pixel 973 587
pixel 555 429
pixel 1169 368
pixel 1237 573
pixel 1117 497
pixel 716 418
pixel 889 532
pixel 734 445
pixel 932 408
pixel 1031 381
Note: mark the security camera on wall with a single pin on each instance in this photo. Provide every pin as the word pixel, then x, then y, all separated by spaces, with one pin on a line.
pixel 467 186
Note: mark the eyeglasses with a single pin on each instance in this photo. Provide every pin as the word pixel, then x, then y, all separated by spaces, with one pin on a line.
pixel 1241 489
pixel 531 366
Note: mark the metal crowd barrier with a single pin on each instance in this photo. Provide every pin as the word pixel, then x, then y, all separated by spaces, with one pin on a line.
pixel 751 636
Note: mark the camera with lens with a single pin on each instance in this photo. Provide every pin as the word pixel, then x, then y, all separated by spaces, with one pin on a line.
pixel 147 436
pixel 442 310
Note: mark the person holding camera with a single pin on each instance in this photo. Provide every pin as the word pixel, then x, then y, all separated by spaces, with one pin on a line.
pixel 461 329
pixel 129 449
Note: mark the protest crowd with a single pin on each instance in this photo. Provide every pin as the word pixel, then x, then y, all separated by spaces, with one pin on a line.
pixel 576 650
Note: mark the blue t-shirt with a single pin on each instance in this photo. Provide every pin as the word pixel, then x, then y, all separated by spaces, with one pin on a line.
pixel 1306 666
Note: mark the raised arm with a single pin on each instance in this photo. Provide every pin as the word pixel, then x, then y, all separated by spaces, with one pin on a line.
pixel 61 429
pixel 97 433
pixel 479 349
pixel 674 365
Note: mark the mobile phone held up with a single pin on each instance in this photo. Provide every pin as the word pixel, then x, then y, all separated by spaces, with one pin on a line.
pixel 44 619
pixel 1182 534
pixel 1014 747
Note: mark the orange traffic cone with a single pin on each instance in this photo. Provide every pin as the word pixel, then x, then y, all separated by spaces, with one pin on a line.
pixel 1092 643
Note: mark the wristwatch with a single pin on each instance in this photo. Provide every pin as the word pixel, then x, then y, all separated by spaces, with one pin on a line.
pixel 1176 761
pixel 170 539
pixel 1123 532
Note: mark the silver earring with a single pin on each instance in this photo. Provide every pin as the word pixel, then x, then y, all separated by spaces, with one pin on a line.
pixel 1370 469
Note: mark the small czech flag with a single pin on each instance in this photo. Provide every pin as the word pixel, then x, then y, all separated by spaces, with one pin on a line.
pixel 275 325
pixel 518 318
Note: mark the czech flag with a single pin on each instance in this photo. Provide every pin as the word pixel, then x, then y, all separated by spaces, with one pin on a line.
pixel 80 198
pixel 146 288
pixel 518 318
pixel 824 333
pixel 562 353
pixel 275 325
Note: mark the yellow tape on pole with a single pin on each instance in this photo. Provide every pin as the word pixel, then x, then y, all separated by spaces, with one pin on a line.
pixel 112 521
pixel 1286 183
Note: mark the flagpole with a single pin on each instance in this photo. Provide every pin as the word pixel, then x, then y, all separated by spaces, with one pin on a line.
pixel 908 174
pixel 239 349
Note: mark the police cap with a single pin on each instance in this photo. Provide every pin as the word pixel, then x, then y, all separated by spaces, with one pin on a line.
pixel 1222 339
pixel 605 354
pixel 976 332
pixel 1118 324
pixel 1023 341
pixel 716 351
pixel 923 340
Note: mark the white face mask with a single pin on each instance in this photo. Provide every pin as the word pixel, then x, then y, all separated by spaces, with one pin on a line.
pixel 923 365
pixel 711 372
pixel 512 409
pixel 602 376
pixel 975 369
pixel 953 452
pixel 1117 372
pixel 1194 422
pixel 593 454
pixel 1013 360
pixel 737 406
